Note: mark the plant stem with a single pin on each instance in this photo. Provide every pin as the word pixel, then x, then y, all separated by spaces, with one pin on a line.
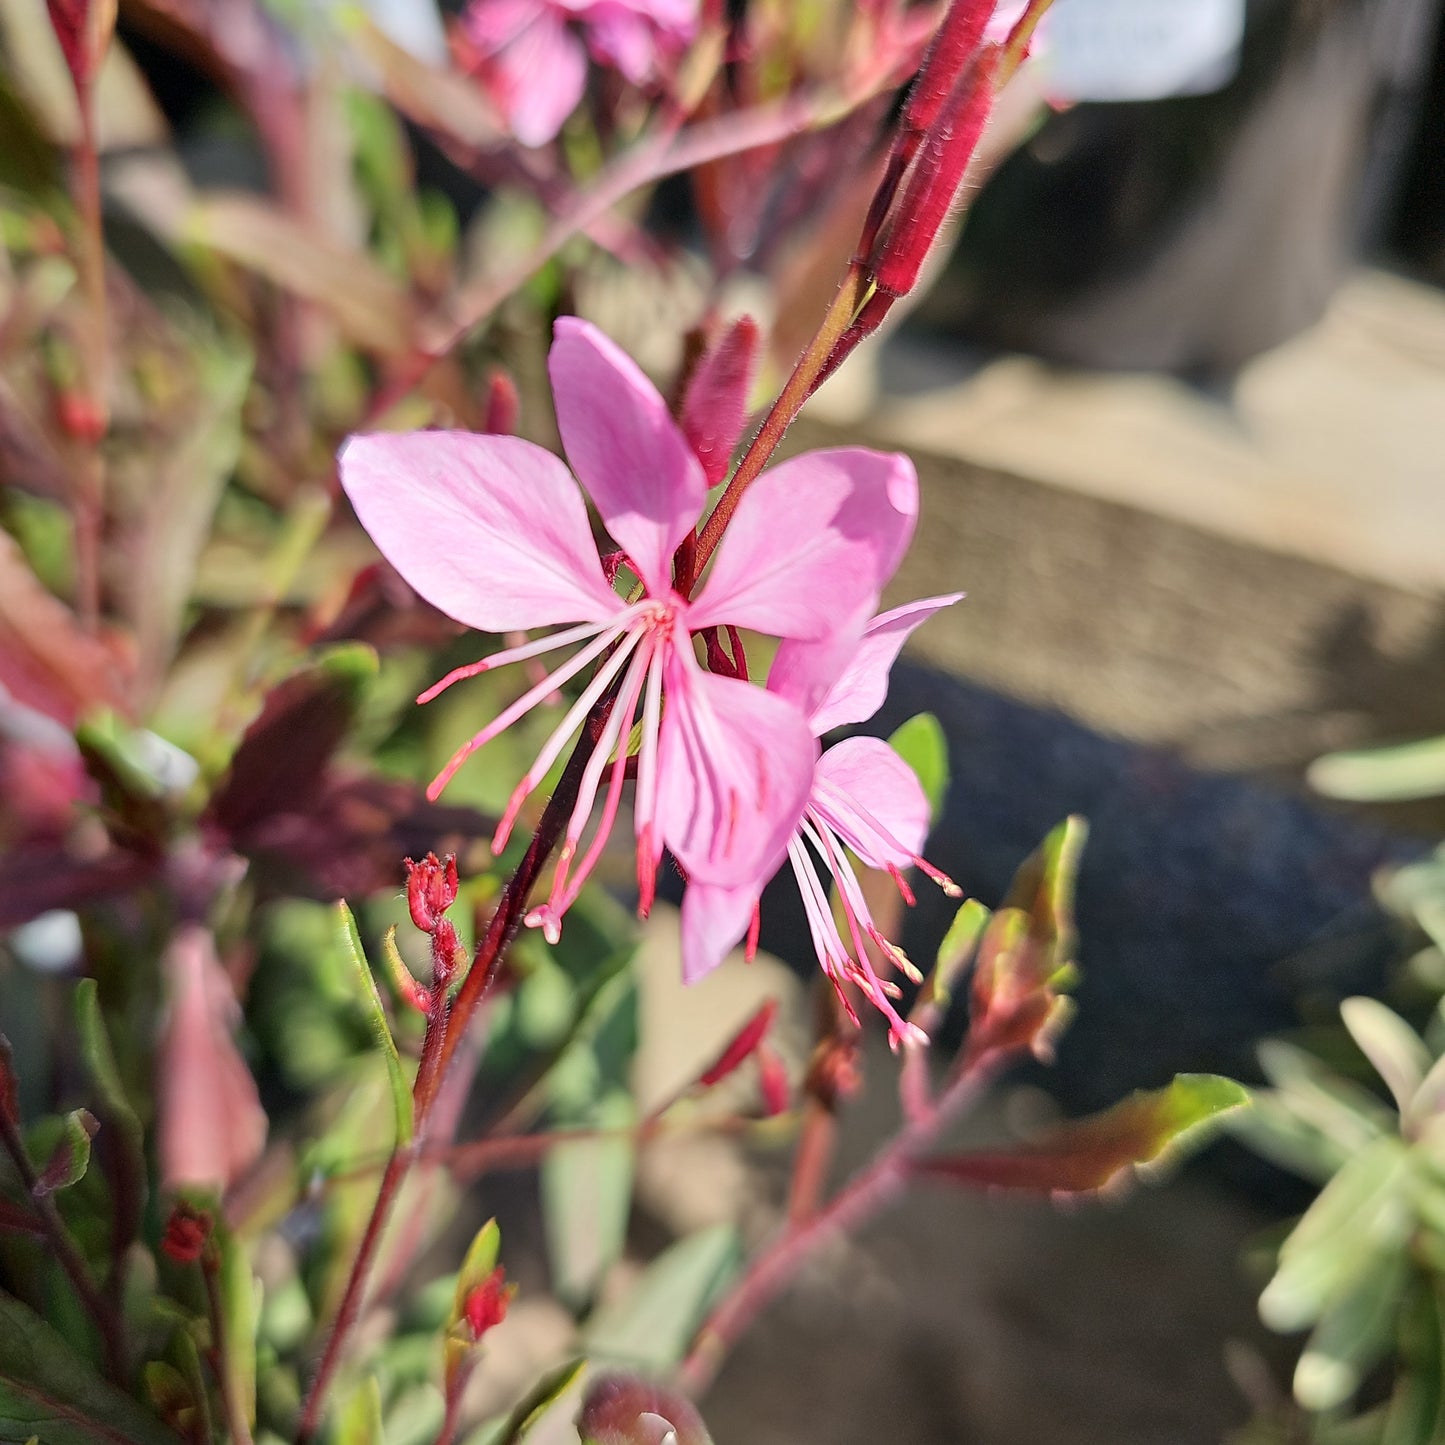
pixel 351 1300
pixel 90 482
pixel 236 1424
pixel 784 411
pixel 871 1190
pixel 107 1322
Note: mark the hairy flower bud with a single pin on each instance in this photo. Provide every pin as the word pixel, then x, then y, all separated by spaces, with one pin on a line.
pixel 431 888
pixel 742 1043
pixel 486 1306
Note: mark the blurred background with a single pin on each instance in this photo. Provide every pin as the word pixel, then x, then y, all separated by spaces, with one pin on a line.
pixel 1176 394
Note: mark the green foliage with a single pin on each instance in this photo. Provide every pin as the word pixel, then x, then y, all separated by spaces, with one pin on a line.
pixel 921 744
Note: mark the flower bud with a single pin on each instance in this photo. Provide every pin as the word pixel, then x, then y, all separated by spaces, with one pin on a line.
pixel 486 1306
pixel 742 1043
pixel 431 888
pixel 186 1233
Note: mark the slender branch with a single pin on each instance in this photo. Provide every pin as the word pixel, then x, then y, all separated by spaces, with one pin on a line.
pixel 237 1425
pixel 870 1191
pixel 354 1295
pixel 66 1250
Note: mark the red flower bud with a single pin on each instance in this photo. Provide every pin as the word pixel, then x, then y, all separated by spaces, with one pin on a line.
pixel 953 46
pixel 486 1306
pixel 503 405
pixel 937 175
pixel 773 1076
pixel 79 417
pixel 431 888
pixel 186 1233
pixel 743 1043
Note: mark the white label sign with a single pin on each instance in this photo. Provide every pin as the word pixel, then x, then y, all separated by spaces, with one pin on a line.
pixel 1141 49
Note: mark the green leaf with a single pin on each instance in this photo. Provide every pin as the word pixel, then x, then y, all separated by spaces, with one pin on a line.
pixel 1353 1117
pixel 1354 1332
pixel 1382 775
pixel 1397 1052
pixel 477 1267
pixel 70 1157
pixel 48 1392
pixel 1365 1208
pixel 401 1100
pixel 1086 1155
pixel 536 1404
pixel 651 1326
pixel 1416 1414
pixel 955 954
pixel 921 744
pixel 359 1422
pixel 586 1198
pixel 100 1062
pixel 1026 957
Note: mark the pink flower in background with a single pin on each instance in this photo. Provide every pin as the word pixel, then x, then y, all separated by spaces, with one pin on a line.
pixel 863 798
pixel 212 1126
pixel 494 531
pixel 532 54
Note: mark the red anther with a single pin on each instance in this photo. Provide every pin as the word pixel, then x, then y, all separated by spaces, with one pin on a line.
pixel 937 175
pixel 755 927
pixel 744 1042
pixel 186 1233
pixel 431 888
pixel 487 1305
pixel 773 1078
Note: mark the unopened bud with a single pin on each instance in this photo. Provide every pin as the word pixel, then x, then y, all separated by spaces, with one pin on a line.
pixel 431 888
pixel 486 1306
pixel 79 417
pixel 186 1233
pixel 955 41
pixel 742 1043
pixel 504 406
pixel 937 175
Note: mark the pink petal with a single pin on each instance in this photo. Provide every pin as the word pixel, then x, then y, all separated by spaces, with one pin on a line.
pixel 491 24
pixel 212 1126
pixel 624 41
pixel 812 542
pixel 541 75
pixel 845 680
pixel 872 800
pixel 734 769
pixel 714 922
pixel 625 448
pixel 491 530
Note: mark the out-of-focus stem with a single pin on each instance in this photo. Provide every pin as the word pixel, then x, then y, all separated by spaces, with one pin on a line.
pixel 236 1424
pixel 871 1190
pixel 784 411
pixel 95 360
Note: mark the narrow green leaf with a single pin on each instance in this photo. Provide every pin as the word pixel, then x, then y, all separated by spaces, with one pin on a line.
pixel 1381 775
pixel 537 1403
pixel 1085 1155
pixel 921 744
pixel 359 1422
pixel 100 1063
pixel 1396 1051
pixel 1354 1332
pixel 1364 1208
pixel 651 1326
pixel 376 1018
pixel 955 954
pixel 48 1392
pixel 480 1261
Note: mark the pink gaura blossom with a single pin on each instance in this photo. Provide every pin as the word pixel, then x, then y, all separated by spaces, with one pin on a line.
pixel 494 531
pixel 532 54
pixel 863 799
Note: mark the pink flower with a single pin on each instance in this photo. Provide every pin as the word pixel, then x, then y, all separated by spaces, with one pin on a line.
pixel 533 53
pixel 494 531
pixel 863 798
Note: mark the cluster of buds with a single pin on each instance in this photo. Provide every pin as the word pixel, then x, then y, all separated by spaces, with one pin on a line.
pixel 943 120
